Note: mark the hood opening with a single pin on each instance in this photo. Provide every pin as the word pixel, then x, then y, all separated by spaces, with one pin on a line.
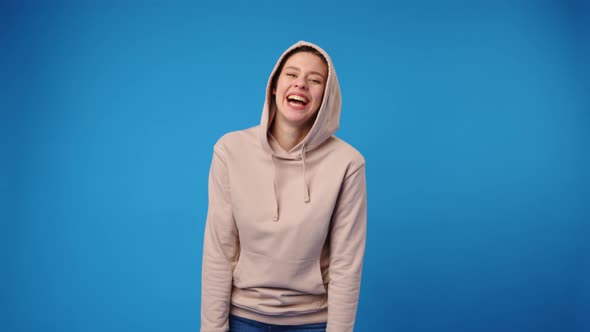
pixel 325 123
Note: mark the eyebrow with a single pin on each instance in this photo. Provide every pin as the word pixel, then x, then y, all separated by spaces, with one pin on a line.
pixel 311 72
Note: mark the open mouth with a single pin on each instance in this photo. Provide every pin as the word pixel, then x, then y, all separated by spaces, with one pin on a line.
pixel 297 100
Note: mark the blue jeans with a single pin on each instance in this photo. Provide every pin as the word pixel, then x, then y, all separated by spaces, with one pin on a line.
pixel 239 324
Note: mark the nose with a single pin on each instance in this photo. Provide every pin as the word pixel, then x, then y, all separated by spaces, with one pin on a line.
pixel 301 83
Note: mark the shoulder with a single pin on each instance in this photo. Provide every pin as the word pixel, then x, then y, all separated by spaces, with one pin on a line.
pixel 346 153
pixel 347 149
pixel 234 140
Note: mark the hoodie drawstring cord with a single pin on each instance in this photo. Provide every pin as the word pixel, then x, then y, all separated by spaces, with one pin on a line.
pixel 275 215
pixel 305 187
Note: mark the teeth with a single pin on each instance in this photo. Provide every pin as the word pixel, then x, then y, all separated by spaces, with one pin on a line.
pixel 298 98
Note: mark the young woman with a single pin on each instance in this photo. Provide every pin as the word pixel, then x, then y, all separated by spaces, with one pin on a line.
pixel 285 234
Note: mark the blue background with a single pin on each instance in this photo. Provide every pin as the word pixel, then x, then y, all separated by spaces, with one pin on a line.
pixel 473 117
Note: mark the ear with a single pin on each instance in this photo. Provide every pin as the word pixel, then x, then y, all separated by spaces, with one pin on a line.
pixel 274 91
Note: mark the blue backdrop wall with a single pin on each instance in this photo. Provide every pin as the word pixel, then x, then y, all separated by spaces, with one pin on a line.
pixel 473 117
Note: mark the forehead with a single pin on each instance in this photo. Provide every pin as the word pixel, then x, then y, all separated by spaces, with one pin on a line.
pixel 307 61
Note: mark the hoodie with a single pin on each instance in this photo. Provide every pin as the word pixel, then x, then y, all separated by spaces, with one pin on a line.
pixel 285 232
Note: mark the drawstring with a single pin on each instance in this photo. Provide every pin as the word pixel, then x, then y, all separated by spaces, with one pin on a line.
pixel 275 215
pixel 305 188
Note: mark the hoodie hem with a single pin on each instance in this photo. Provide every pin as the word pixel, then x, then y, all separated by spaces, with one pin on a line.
pixel 320 316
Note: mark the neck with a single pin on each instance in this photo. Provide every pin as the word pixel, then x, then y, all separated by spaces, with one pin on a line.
pixel 288 136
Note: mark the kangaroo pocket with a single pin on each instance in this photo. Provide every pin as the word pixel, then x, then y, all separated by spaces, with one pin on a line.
pixel 293 276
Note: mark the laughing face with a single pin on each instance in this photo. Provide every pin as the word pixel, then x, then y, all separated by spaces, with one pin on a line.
pixel 299 89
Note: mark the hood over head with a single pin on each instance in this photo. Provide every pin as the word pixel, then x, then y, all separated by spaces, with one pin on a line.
pixel 325 125
pixel 328 116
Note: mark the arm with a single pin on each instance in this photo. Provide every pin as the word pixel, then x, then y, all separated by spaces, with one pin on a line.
pixel 347 248
pixel 220 249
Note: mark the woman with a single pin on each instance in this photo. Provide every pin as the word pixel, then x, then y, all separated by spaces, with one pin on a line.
pixel 285 233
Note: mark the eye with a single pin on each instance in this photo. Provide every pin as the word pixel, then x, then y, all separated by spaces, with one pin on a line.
pixel 290 74
pixel 316 81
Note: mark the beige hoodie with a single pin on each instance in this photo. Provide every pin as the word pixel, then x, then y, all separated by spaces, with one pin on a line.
pixel 285 233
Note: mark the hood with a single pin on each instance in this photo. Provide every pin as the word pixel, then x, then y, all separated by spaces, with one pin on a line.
pixel 328 116
pixel 325 125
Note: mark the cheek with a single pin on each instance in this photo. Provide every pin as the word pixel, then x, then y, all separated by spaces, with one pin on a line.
pixel 279 89
pixel 319 95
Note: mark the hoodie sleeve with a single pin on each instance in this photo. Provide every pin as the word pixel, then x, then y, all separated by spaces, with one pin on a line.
pixel 347 247
pixel 220 249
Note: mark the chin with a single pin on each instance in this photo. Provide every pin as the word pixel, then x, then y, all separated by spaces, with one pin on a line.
pixel 297 120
